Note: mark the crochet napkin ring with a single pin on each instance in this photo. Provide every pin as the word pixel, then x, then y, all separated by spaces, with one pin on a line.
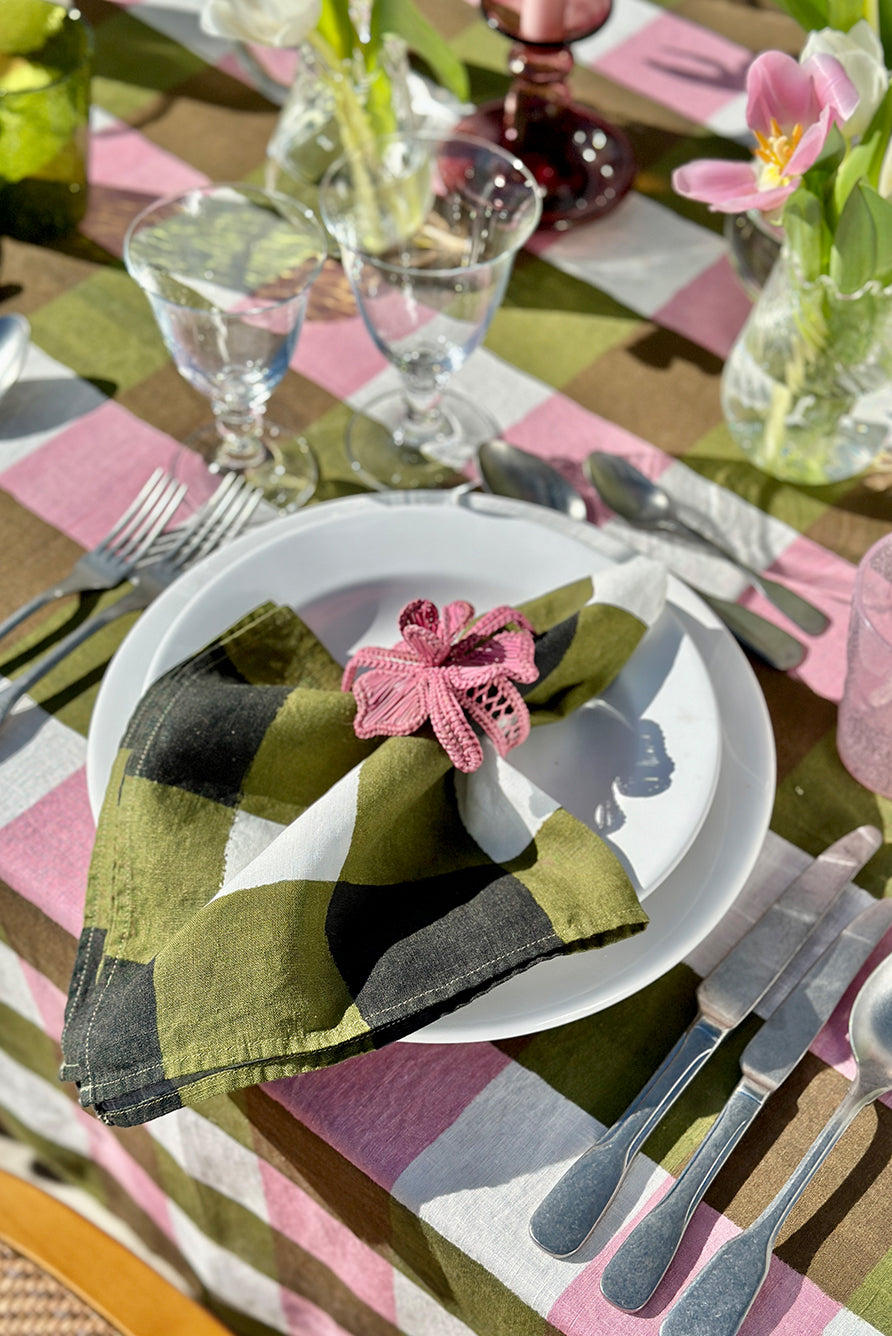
pixel 452 676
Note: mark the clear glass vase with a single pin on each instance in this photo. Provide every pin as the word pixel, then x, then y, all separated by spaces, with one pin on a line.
pixel 331 108
pixel 807 387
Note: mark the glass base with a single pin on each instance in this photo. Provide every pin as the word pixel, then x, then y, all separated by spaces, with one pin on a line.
pixel 584 165
pixel 385 460
pixel 288 474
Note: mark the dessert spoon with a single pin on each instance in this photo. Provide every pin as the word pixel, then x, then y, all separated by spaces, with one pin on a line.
pixel 509 471
pixel 645 504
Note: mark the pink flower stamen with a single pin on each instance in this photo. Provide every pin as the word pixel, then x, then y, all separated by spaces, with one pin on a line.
pixel 453 676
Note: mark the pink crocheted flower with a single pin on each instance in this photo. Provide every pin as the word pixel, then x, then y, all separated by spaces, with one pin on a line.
pixel 439 672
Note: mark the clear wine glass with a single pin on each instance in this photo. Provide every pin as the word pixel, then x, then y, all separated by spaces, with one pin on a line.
pixel 584 164
pixel 227 269
pixel 428 225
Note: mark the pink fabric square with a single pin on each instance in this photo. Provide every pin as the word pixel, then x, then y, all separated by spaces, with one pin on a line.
pixel 827 580
pixel 52 872
pixel 710 311
pixel 680 65
pixel 123 158
pixel 383 1109
pixel 299 1218
pixel 81 480
pixel 580 431
pixel 339 355
pixel 50 1000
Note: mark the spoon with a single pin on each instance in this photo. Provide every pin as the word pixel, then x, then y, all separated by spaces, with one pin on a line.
pixel 645 504
pixel 719 1298
pixel 15 335
pixel 507 470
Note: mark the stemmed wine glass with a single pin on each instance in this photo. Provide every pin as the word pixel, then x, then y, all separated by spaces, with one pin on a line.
pixel 227 269
pixel 584 164
pixel 428 225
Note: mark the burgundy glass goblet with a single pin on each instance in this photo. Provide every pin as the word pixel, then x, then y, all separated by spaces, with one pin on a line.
pixel 584 165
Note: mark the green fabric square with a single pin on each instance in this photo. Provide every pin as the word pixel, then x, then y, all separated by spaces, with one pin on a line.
pixel 104 330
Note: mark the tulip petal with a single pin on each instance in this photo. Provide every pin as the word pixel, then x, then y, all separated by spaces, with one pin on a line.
pixel 727 187
pixel 779 89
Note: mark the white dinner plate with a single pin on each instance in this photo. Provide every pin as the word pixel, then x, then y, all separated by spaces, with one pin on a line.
pixel 687 698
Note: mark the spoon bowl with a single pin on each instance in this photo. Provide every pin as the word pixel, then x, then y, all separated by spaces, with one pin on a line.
pixel 507 470
pixel 15 335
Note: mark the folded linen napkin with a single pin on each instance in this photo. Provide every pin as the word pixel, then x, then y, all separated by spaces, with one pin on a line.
pixel 270 893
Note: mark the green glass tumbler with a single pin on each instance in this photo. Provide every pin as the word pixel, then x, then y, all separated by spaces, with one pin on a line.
pixel 44 129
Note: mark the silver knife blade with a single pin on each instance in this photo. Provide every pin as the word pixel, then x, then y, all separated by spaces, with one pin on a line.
pixel 742 978
pixel 567 1214
pixel 639 1264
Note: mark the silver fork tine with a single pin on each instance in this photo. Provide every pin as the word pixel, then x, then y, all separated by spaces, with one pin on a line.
pixel 134 512
pixel 227 511
pixel 134 534
pixel 104 566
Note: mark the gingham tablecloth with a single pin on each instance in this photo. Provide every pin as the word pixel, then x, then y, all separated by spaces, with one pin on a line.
pixel 391 1194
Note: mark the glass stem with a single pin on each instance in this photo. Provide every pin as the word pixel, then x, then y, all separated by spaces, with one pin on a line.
pixel 241 437
pixel 424 416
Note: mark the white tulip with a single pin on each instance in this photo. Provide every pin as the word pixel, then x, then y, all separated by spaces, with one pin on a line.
pixel 861 55
pixel 265 22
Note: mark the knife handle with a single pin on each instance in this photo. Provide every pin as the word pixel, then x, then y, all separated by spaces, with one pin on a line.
pixel 636 1269
pixel 564 1218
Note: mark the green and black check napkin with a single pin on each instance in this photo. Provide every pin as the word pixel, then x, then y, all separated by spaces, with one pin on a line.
pixel 270 894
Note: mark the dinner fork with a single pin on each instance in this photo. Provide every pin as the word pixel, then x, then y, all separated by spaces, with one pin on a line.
pixel 115 556
pixel 219 520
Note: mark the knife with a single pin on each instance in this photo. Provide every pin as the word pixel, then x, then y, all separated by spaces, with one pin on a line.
pixel 564 1218
pixel 636 1269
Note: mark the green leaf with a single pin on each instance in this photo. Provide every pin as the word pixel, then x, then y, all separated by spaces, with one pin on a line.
pixel 403 19
pixel 844 14
pixel 880 211
pixel 809 14
pixel 804 226
pixel 853 168
pixel 857 246
pixel 335 27
pixel 878 134
pixel 884 24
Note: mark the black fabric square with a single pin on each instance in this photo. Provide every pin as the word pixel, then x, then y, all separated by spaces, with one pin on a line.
pixel 206 742
pixel 551 646
pixel 389 941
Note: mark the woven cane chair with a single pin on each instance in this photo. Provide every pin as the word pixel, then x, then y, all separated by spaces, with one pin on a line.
pixel 61 1275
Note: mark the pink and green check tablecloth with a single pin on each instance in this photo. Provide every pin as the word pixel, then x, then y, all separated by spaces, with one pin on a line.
pixel 391 1193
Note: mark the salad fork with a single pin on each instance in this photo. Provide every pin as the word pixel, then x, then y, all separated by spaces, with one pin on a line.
pixel 115 556
pixel 219 520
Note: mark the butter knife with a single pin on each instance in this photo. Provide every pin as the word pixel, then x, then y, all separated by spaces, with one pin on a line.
pixel 636 1269
pixel 567 1215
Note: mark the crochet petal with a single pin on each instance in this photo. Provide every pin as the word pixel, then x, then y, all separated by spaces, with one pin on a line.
pixel 453 731
pixel 420 612
pixel 511 652
pixel 499 618
pixel 501 712
pixel 377 656
pixel 454 618
pixel 393 706
pixel 428 646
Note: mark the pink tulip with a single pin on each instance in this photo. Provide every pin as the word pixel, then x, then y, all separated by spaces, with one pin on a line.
pixel 790 110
